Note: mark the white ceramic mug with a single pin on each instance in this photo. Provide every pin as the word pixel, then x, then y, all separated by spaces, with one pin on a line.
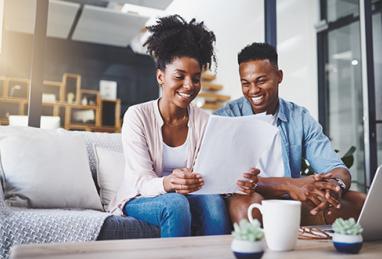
pixel 281 221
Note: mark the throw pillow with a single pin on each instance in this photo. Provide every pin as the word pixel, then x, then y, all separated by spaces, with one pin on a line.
pixel 111 141
pixel 110 172
pixel 46 169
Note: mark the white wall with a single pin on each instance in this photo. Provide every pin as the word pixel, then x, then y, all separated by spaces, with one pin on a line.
pixel 297 49
pixel 241 22
pixel 236 23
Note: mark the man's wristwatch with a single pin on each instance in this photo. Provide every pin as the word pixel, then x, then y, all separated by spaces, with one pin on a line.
pixel 340 183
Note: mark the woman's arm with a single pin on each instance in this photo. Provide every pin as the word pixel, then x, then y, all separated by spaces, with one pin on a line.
pixel 139 166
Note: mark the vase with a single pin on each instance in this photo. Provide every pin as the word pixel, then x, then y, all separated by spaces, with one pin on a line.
pixel 350 244
pixel 244 249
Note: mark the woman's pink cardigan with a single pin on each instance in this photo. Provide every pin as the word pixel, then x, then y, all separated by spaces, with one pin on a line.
pixel 143 151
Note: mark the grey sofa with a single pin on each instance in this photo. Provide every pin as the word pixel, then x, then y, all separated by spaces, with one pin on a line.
pixel 113 227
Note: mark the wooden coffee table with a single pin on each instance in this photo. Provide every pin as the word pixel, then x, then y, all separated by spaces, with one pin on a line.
pixel 185 247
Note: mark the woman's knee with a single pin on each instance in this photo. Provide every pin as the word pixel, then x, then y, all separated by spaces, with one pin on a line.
pixel 176 205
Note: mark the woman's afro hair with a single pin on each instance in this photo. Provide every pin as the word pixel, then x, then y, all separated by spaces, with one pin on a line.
pixel 173 37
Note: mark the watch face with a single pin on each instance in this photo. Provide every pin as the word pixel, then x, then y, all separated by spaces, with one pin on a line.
pixel 341 183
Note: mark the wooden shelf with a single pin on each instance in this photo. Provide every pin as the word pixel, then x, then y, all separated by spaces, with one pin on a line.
pixel 70 113
pixel 212 97
pixel 13 99
pixel 211 86
pixel 208 76
pixel 93 128
pixel 52 83
pixel 212 106
pixel 209 93
pixel 4 121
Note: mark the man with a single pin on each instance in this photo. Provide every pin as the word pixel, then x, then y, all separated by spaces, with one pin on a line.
pixel 325 195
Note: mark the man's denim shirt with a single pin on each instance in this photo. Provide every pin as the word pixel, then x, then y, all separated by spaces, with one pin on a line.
pixel 301 136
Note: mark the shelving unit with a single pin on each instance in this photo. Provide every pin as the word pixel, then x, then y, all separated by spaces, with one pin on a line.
pixel 209 93
pixel 81 110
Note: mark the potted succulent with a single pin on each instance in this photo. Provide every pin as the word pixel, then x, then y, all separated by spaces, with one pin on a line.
pixel 247 242
pixel 347 236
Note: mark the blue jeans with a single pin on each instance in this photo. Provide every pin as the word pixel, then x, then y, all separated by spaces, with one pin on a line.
pixel 180 215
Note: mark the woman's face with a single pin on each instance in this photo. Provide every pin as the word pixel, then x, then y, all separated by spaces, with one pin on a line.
pixel 180 81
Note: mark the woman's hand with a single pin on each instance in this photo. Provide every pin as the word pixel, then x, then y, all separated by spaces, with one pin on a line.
pixel 183 181
pixel 248 186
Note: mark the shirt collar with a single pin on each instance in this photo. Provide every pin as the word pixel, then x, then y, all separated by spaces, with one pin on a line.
pixel 281 115
pixel 247 108
pixel 282 111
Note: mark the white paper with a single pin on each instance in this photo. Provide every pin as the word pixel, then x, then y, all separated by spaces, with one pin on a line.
pixel 230 147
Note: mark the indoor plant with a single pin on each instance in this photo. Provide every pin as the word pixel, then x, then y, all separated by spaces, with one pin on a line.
pixel 347 236
pixel 247 242
pixel 347 159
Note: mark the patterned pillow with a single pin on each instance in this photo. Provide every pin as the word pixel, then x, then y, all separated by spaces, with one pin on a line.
pixel 2 203
pixel 2 199
pixel 109 141
pixel 110 171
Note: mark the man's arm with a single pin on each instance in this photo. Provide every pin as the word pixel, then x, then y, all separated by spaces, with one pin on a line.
pixel 277 187
pixel 312 188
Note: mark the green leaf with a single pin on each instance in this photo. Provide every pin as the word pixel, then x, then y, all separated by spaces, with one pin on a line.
pixel 248 231
pixel 347 227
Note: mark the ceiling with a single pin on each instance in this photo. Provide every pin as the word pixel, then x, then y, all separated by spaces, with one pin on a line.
pixel 110 22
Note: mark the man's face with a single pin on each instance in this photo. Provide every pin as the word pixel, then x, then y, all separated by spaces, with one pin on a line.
pixel 260 80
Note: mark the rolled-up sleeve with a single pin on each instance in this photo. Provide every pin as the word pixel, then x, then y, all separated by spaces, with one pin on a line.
pixel 317 148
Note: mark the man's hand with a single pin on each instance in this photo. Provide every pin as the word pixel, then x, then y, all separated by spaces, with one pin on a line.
pixel 183 181
pixel 248 185
pixel 320 190
pixel 332 190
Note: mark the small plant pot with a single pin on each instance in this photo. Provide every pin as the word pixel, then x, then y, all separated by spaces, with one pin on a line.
pixel 350 244
pixel 244 249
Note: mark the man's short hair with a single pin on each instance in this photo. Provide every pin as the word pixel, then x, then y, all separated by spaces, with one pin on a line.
pixel 258 51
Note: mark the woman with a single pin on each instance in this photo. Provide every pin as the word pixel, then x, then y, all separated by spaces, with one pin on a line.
pixel 161 138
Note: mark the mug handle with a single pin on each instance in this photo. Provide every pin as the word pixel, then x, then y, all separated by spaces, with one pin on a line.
pixel 251 207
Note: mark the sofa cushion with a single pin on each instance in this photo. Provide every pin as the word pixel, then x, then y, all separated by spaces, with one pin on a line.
pixel 110 171
pixel 122 227
pixel 46 169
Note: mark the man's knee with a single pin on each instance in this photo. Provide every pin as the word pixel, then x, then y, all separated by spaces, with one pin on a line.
pixel 357 199
pixel 307 218
pixel 238 205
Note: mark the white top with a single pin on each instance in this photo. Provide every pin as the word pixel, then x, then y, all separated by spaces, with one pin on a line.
pixel 271 163
pixel 174 157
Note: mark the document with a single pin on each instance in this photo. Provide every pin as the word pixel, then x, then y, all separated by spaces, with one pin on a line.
pixel 230 147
